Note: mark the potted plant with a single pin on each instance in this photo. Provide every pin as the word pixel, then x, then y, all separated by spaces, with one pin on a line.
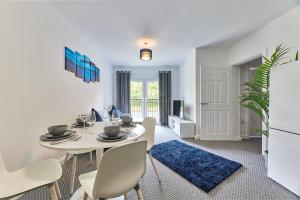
pixel 256 92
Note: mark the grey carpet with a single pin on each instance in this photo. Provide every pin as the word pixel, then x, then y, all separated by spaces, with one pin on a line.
pixel 250 182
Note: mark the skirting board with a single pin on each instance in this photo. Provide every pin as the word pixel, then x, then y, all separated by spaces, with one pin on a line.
pixel 249 137
pixel 197 137
pixel 220 138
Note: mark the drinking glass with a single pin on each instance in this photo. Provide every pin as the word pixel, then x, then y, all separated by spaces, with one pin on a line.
pixel 91 121
pixel 115 116
pixel 104 114
pixel 84 118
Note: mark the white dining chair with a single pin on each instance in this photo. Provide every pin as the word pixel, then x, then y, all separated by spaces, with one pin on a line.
pixel 38 174
pixel 74 155
pixel 120 170
pixel 149 124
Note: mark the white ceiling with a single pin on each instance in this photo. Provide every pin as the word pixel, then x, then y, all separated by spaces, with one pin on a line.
pixel 175 26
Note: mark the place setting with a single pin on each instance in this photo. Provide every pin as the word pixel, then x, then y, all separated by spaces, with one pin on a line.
pixel 114 133
pixel 59 133
pixel 84 120
pixel 127 121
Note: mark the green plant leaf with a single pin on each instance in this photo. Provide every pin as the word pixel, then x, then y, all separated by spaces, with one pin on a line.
pixel 256 92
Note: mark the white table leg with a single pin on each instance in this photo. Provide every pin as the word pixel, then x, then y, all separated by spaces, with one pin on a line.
pixel 99 154
pixel 91 157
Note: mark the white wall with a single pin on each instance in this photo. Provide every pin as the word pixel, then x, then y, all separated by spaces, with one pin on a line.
pixel 36 91
pixel 212 56
pixel 187 84
pixel 148 73
pixel 1 74
pixel 285 29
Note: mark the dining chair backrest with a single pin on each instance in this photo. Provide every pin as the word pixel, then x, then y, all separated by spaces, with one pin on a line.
pixel 120 170
pixel 149 124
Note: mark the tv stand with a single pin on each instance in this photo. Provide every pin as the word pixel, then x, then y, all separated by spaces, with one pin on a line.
pixel 182 128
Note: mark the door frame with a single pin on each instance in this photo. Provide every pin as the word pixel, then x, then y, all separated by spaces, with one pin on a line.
pixel 236 69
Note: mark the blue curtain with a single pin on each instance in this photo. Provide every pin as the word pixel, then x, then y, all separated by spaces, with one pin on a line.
pixel 165 89
pixel 123 91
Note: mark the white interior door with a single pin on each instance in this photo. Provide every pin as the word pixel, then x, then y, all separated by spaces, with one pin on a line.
pixel 216 103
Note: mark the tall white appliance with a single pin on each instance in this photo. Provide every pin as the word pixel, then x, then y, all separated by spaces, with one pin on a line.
pixel 284 139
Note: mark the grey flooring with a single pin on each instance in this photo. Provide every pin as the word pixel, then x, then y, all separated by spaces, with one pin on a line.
pixel 249 182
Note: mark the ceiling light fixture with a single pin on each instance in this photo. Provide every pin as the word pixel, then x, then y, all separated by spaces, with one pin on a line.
pixel 146 54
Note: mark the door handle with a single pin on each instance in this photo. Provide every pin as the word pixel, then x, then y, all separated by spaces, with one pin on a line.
pixel 203 104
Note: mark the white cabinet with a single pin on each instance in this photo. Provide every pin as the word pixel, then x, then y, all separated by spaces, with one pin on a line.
pixel 183 128
pixel 284 117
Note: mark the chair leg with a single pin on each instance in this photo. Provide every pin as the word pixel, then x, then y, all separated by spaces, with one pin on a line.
pixel 73 175
pixel 57 189
pixel 91 157
pixel 137 188
pixel 66 159
pixel 85 196
pixel 52 192
pixel 139 194
pixel 154 167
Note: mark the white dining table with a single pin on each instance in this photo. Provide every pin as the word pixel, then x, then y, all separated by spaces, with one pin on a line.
pixel 89 140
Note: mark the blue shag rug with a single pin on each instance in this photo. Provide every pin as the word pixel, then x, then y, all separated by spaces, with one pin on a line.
pixel 205 170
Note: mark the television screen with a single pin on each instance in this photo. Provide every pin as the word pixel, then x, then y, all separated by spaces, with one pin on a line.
pixel 178 108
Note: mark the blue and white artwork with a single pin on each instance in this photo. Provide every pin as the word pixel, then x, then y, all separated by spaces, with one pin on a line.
pixel 87 69
pixel 82 66
pixel 93 72
pixel 79 66
pixel 97 74
pixel 70 60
